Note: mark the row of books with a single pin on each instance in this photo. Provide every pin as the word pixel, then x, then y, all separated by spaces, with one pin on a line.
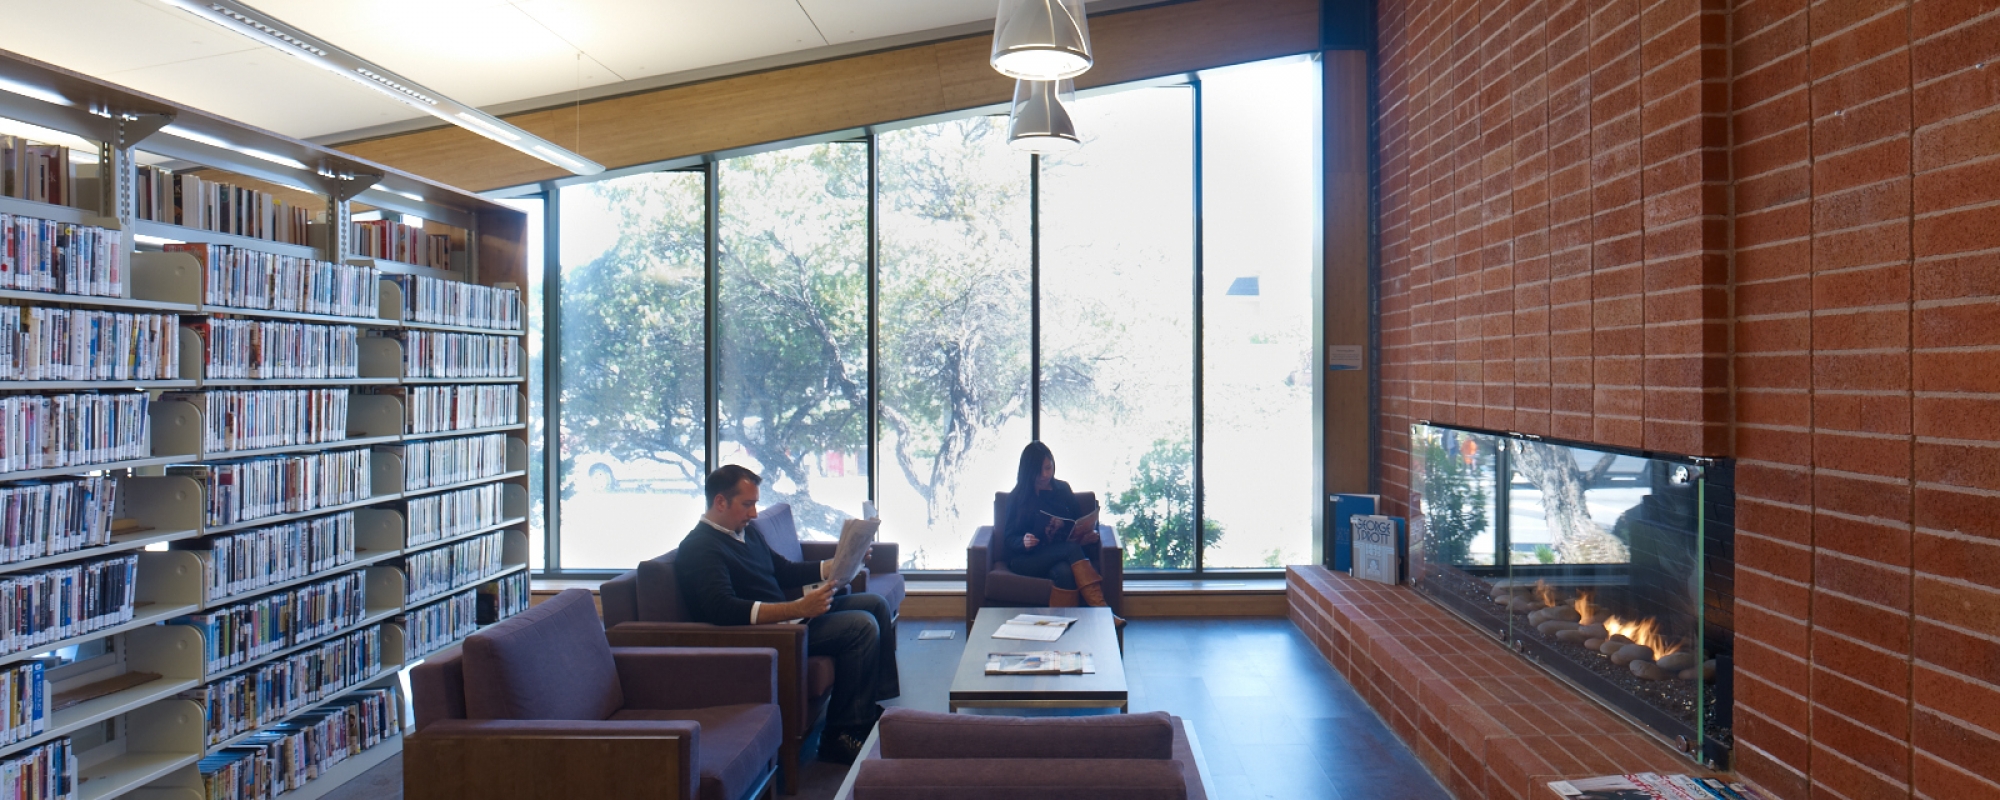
pixel 44 772
pixel 435 572
pixel 394 241
pixel 503 598
pixel 60 430
pixel 31 170
pixel 1654 786
pixel 239 278
pixel 446 302
pixel 56 603
pixel 252 489
pixel 249 419
pixel 192 201
pixel 243 632
pixel 436 626
pixel 442 462
pixel 24 688
pixel 452 407
pixel 272 762
pixel 437 354
pixel 50 519
pixel 443 516
pixel 40 255
pixel 250 700
pixel 239 349
pixel 240 563
pixel 61 257
pixel 68 344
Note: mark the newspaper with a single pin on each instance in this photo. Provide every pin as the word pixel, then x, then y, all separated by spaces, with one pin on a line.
pixel 1044 662
pixel 855 537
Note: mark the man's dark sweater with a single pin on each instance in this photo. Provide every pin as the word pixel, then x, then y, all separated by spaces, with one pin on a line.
pixel 721 578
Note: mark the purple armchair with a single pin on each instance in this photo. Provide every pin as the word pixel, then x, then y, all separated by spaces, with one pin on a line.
pixel 878 574
pixel 644 608
pixel 925 754
pixel 541 705
pixel 988 581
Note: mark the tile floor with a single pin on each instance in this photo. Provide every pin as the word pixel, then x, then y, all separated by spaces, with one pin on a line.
pixel 1274 719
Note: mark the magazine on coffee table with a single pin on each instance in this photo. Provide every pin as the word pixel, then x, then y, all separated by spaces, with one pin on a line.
pixel 1043 662
pixel 1034 628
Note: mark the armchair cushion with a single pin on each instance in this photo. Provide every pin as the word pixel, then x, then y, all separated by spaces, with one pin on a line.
pixel 660 591
pixel 781 530
pixel 619 598
pixel 1005 779
pixel 912 734
pixel 736 743
pixel 548 662
pixel 672 679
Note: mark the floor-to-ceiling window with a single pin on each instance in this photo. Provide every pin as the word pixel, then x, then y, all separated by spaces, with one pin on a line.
pixel 1117 280
pixel 954 344
pixel 791 327
pixel 1260 209
pixel 633 415
pixel 1157 282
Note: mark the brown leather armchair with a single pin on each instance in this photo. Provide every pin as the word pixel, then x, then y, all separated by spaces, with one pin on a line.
pixel 988 581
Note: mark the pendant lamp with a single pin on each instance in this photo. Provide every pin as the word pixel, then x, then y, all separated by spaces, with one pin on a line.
pixel 1041 40
pixel 1041 122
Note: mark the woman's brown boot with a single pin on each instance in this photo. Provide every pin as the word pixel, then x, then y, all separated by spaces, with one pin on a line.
pixel 1062 598
pixel 1091 586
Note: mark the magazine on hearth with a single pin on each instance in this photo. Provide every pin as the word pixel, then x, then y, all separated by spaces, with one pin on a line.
pixel 1609 787
pixel 1646 786
pixel 1042 662
pixel 1375 552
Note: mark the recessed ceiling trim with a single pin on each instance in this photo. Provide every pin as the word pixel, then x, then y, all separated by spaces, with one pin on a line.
pixel 795 58
pixel 276 34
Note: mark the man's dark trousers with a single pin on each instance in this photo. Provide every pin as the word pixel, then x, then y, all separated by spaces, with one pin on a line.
pixel 855 632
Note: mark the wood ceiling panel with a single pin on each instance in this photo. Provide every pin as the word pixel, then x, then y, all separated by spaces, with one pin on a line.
pixel 782 104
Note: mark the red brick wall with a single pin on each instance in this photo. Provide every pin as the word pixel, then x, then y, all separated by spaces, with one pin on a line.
pixel 1767 229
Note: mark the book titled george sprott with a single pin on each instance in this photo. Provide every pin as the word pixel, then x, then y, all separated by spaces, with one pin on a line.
pixel 1375 548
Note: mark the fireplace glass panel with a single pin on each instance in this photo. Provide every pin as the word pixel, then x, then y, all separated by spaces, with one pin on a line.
pixel 1588 562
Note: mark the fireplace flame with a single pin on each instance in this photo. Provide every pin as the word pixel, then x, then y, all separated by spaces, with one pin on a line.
pixel 1546 593
pixel 1645 633
pixel 1583 609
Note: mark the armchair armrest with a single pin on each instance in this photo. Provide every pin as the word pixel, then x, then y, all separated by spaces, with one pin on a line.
pixel 884 559
pixel 789 641
pixel 976 566
pixel 553 758
pixel 1111 565
pixel 668 678
pixel 818 551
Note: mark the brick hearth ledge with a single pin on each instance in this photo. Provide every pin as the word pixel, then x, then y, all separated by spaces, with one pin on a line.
pixel 1486 723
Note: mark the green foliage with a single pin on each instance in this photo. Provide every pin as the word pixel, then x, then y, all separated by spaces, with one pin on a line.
pixel 1543 555
pixel 1159 510
pixel 1454 504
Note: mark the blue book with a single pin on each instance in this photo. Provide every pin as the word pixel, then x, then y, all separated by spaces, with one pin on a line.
pixel 1345 506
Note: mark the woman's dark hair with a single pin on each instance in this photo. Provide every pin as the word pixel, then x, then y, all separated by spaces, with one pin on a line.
pixel 1032 458
pixel 723 481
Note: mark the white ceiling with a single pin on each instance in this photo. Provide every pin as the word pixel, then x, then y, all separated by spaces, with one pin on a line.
pixel 488 53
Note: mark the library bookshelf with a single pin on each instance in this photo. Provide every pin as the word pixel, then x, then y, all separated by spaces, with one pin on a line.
pixel 264 443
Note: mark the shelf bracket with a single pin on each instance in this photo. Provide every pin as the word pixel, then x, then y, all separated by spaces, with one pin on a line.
pixel 344 183
pixel 118 172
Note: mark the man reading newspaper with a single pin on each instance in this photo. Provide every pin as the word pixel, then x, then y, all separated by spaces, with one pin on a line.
pixel 730 576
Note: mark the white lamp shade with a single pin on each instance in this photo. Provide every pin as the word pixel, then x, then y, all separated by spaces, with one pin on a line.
pixel 1041 40
pixel 1040 122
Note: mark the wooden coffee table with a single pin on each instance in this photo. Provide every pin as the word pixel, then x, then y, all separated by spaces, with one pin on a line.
pixel 1092 633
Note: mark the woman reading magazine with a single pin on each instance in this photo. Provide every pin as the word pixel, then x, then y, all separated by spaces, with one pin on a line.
pixel 1047 536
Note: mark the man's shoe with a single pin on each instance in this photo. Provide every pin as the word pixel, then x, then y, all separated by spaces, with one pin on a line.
pixel 840 747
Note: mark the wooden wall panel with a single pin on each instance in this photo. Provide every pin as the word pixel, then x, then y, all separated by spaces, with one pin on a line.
pixel 772 106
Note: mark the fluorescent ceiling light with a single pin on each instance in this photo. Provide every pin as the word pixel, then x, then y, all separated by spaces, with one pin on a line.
pixel 37 92
pixel 192 136
pixel 274 33
pixel 38 133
